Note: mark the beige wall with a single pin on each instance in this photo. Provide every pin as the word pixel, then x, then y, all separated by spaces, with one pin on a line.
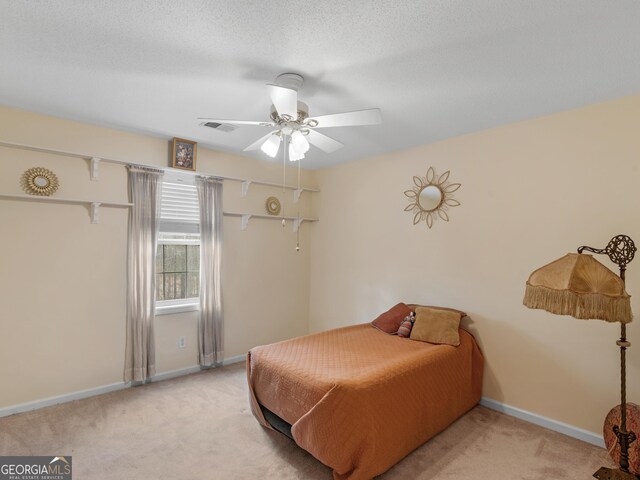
pixel 531 192
pixel 62 279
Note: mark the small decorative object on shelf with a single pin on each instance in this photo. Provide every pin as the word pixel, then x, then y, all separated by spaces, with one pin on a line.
pixel 40 181
pixel 184 154
pixel 273 206
pixel 431 197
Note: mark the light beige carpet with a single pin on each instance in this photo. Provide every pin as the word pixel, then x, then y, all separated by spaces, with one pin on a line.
pixel 200 427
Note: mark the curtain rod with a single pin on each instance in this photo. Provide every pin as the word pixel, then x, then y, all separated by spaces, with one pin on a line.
pixel 95 161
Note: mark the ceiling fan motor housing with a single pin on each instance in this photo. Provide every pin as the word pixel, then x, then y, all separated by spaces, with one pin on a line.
pixel 290 80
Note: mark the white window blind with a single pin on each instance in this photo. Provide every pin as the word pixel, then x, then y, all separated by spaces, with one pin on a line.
pixel 179 209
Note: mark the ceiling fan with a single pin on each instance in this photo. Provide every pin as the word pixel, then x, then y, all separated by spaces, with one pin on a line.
pixel 291 123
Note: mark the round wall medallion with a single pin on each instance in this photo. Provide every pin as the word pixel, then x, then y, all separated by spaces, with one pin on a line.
pixel 273 206
pixel 40 181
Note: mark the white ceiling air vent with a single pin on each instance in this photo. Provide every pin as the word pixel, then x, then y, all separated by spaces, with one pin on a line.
pixel 221 127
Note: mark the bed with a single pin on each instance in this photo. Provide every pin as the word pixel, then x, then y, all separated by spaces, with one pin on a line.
pixel 359 399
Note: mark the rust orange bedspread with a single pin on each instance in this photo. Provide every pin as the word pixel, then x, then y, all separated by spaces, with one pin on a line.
pixel 360 400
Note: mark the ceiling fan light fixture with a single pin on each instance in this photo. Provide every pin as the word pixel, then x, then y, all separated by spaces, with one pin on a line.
pixel 299 142
pixel 271 146
pixel 294 155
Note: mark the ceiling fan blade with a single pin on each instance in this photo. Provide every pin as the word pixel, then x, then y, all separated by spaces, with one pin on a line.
pixel 258 143
pixel 239 122
pixel 349 119
pixel 285 100
pixel 320 140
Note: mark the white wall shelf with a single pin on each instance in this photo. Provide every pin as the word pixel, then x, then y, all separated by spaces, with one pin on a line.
pixel 94 169
pixel 245 217
pixel 92 205
pixel 244 189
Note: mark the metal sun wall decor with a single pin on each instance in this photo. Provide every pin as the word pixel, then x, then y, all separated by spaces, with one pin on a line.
pixel 39 181
pixel 431 197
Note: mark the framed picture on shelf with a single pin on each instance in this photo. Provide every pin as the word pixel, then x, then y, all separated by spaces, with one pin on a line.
pixel 184 154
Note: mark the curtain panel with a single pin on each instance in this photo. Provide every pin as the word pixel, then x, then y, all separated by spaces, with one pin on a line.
pixel 145 187
pixel 210 322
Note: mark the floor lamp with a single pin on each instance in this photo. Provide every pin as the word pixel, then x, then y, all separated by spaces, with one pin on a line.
pixel 580 286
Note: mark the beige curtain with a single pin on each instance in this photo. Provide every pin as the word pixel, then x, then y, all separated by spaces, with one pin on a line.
pixel 145 186
pixel 210 347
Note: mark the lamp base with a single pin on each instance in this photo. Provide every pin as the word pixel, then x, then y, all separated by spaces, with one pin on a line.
pixel 614 474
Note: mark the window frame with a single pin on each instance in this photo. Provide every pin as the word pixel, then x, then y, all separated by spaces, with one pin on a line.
pixel 173 226
pixel 179 305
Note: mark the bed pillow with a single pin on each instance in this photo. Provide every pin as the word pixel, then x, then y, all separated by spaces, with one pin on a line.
pixel 413 307
pixel 436 325
pixel 390 321
pixel 405 327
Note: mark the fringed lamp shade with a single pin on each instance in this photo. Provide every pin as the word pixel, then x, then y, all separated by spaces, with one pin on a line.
pixel 580 286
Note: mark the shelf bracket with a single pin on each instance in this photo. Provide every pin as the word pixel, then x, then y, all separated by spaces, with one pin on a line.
pixel 244 222
pixel 245 188
pixel 95 164
pixel 296 195
pixel 296 223
pixel 95 212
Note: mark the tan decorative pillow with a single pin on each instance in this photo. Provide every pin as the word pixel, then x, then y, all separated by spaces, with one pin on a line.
pixel 436 325
pixel 413 307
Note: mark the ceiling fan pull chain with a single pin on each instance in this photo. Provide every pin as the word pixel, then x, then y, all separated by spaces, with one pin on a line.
pixel 284 174
pixel 299 223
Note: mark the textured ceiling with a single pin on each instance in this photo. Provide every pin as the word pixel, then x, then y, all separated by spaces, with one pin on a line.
pixel 436 68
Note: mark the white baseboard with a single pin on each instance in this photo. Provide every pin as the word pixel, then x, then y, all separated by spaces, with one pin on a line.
pixel 175 373
pixel 236 359
pixel 67 397
pixel 545 422
pixel 79 395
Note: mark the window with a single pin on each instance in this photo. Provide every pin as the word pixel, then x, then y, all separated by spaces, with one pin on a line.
pixel 177 267
pixel 178 248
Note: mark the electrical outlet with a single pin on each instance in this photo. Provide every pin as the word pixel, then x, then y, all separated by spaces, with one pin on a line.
pixel 182 342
